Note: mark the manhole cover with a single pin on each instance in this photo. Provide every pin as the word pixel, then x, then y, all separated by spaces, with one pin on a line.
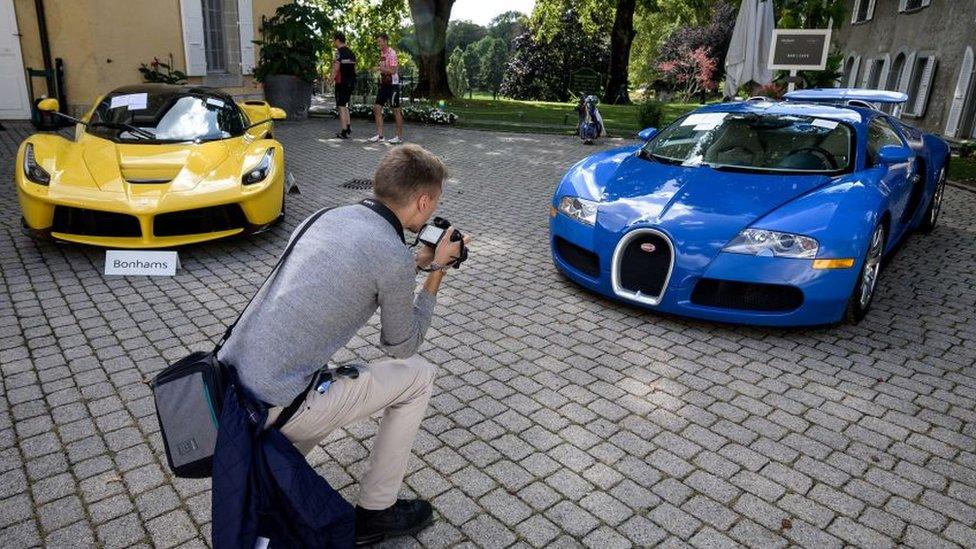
pixel 358 184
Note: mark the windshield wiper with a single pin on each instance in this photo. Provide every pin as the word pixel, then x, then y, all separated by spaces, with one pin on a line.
pixel 123 126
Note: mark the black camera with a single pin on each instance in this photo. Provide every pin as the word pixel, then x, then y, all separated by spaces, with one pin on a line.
pixel 432 233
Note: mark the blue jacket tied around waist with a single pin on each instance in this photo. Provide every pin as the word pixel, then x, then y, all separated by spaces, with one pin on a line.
pixel 263 487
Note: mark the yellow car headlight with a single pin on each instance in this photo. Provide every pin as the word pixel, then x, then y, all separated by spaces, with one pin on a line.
pixel 32 170
pixel 260 171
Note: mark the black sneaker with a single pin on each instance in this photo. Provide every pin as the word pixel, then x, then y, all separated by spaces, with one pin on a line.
pixel 405 517
pixel 342 135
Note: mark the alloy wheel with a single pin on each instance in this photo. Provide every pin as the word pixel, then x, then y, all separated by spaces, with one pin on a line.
pixel 872 266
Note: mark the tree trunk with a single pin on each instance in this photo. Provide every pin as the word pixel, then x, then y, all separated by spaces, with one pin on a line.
pixel 621 38
pixel 430 19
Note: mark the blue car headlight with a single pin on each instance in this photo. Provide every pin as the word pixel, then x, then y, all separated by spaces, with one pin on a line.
pixel 773 244
pixel 580 209
pixel 259 172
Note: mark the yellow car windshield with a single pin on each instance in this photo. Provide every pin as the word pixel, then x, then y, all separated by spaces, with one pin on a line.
pixel 168 116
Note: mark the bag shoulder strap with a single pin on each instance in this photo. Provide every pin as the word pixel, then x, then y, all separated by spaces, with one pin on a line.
pixel 271 275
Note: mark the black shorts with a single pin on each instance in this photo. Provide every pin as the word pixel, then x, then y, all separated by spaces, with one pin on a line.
pixel 389 96
pixel 343 92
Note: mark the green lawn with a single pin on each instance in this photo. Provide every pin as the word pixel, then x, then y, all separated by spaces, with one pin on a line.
pixel 962 169
pixel 541 116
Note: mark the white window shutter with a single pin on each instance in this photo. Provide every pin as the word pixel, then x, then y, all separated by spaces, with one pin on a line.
pixel 852 78
pixel 191 12
pixel 868 67
pixel 245 15
pixel 906 73
pixel 926 2
pixel 870 11
pixel 959 97
pixel 923 86
pixel 857 8
pixel 902 5
pixel 885 68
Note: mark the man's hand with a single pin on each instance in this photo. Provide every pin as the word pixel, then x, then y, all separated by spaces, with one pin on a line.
pixel 447 249
pixel 424 256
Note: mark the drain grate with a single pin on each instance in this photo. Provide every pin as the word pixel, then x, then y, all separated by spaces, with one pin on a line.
pixel 358 184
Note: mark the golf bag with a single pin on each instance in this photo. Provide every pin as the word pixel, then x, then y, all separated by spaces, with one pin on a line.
pixel 590 121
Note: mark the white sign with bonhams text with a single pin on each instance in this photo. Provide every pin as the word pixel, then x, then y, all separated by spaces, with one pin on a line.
pixel 139 262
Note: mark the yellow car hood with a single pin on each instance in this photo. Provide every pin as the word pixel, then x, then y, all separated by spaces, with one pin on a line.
pixel 121 167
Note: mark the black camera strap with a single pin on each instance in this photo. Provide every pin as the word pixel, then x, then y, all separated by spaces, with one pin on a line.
pixel 386 213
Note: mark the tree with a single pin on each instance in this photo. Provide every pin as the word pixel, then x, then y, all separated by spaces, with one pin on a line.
pixel 461 34
pixel 457 73
pixel 712 38
pixel 430 19
pixel 493 62
pixel 621 38
pixel 541 68
pixel 506 26
pixel 472 64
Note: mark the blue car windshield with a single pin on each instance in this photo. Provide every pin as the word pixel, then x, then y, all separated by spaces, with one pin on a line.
pixel 165 117
pixel 755 142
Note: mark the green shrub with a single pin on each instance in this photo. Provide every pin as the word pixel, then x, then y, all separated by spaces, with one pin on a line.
pixel 650 114
pixel 967 149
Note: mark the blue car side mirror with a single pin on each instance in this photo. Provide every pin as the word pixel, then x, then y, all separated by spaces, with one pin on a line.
pixel 647 134
pixel 895 154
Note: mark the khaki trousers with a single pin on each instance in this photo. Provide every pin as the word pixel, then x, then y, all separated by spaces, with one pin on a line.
pixel 401 388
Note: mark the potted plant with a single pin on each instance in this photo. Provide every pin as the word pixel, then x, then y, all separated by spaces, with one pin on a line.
pixel 292 43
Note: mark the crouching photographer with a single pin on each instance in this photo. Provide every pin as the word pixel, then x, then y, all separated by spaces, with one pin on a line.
pixel 349 261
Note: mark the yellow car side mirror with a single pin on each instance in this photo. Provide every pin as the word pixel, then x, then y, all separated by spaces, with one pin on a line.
pixel 49 104
pixel 277 114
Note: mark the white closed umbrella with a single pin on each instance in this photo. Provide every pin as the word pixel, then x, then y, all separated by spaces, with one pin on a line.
pixel 748 53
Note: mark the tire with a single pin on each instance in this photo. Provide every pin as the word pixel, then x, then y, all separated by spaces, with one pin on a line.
pixel 867 279
pixel 935 205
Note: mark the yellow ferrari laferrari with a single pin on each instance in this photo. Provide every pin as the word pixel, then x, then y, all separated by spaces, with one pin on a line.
pixel 154 166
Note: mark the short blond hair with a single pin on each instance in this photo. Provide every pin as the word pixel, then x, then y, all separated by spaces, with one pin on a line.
pixel 405 171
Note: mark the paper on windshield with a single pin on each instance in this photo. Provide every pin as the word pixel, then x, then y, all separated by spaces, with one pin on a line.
pixel 821 123
pixel 131 101
pixel 215 102
pixel 705 120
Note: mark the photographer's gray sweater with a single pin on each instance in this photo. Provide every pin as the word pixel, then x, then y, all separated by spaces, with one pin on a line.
pixel 348 263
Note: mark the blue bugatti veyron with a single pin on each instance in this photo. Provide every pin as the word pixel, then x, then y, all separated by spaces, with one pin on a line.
pixel 756 212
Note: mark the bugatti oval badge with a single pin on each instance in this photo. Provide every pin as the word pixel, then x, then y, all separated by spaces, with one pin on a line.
pixel 648 247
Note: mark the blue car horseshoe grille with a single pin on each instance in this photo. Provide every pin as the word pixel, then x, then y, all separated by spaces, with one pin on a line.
pixel 642 264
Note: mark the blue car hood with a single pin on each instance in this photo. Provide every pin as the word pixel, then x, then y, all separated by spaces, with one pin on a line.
pixel 700 208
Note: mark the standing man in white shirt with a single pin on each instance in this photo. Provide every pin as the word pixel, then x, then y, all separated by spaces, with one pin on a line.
pixel 389 90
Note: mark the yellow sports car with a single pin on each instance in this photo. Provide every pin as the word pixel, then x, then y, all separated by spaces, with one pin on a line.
pixel 153 166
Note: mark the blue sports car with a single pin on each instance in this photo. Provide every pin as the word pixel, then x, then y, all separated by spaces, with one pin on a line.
pixel 756 212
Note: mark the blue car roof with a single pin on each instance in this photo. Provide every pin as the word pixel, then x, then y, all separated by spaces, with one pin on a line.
pixel 850 114
pixel 847 94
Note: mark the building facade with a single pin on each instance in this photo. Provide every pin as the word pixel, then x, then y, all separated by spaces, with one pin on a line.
pixel 103 42
pixel 923 48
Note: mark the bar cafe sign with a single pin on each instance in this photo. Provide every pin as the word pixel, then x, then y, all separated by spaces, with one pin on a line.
pixel 799 49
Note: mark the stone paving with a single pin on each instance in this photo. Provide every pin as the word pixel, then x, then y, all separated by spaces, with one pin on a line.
pixel 559 418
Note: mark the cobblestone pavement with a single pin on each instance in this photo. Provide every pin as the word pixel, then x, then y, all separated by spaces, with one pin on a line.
pixel 558 419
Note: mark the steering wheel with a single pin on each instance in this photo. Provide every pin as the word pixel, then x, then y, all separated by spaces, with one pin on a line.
pixel 821 152
pixel 737 149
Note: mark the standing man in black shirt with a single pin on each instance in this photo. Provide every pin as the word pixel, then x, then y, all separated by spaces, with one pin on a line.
pixel 344 76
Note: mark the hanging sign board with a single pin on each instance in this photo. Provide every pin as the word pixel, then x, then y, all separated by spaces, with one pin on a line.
pixel 799 49
pixel 141 263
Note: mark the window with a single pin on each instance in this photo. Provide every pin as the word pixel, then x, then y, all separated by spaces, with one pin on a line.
pixel 213 27
pixel 863 11
pixel 848 75
pixel 873 74
pixel 912 5
pixel 880 133
pixel 919 84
